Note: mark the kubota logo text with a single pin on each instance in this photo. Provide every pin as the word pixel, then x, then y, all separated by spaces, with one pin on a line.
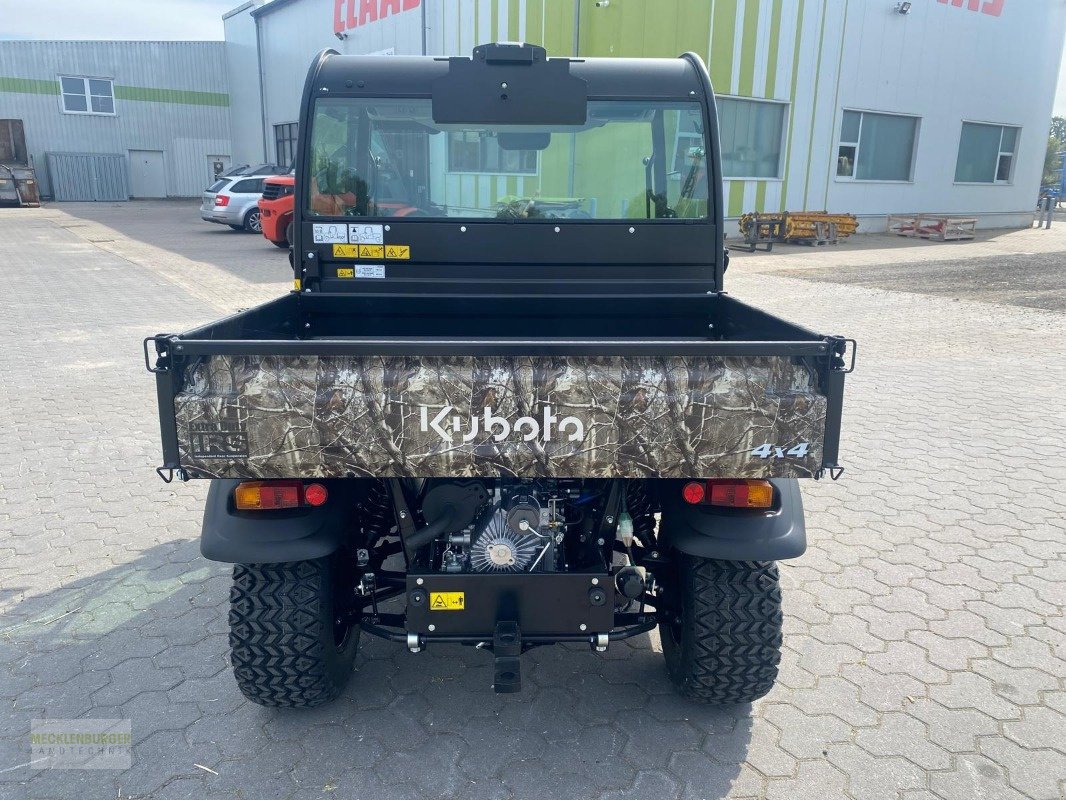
pixel 446 425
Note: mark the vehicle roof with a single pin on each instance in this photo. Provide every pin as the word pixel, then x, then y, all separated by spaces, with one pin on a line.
pixel 284 180
pixel 607 78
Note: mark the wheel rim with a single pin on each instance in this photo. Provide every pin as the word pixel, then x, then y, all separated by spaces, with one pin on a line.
pixel 254 222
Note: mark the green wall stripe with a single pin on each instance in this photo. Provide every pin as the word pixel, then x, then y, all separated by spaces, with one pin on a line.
pixel 775 42
pixel 735 206
pixel 136 93
pixel 28 86
pixel 760 196
pixel 182 96
pixel 749 44
pixel 792 102
pixel 724 23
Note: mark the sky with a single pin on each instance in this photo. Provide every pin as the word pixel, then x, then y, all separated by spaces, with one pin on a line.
pixel 161 19
pixel 113 19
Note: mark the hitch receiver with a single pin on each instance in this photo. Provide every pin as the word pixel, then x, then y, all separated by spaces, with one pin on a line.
pixel 506 648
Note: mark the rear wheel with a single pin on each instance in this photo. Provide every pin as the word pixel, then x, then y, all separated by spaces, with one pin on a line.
pixel 253 223
pixel 288 647
pixel 722 642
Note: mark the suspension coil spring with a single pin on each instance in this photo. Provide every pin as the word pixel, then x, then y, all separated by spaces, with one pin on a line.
pixel 377 513
pixel 641 510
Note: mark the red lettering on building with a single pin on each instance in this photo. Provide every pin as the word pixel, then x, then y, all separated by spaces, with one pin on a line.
pixel 368 11
pixel 338 21
pixel 992 8
pixel 349 14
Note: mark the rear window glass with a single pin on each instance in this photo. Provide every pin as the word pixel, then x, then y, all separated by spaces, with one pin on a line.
pixel 253 186
pixel 217 186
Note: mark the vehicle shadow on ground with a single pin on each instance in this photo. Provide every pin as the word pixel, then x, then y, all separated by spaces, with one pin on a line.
pixel 147 641
pixel 175 226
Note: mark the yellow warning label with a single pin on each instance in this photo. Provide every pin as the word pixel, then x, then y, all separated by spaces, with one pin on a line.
pixel 447 601
pixel 296 285
pixel 401 252
pixel 346 251
pixel 345 272
pixel 371 251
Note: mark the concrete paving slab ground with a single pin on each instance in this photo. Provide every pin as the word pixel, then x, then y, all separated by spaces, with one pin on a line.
pixel 925 650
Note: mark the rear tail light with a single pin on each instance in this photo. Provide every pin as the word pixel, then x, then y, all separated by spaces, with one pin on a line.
pixel 693 493
pixel 222 200
pixel 730 493
pixel 315 494
pixel 269 495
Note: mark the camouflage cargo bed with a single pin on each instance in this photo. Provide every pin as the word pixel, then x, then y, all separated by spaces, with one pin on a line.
pixel 666 386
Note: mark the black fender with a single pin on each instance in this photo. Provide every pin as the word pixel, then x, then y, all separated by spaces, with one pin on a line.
pixel 735 534
pixel 267 537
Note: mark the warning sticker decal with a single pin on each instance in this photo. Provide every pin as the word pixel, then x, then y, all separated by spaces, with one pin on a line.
pixel 345 272
pixel 370 271
pixel 447 601
pixel 371 251
pixel 326 233
pixel 400 252
pixel 366 234
pixel 346 251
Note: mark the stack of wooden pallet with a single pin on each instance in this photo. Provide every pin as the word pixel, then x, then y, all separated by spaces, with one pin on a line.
pixel 938 227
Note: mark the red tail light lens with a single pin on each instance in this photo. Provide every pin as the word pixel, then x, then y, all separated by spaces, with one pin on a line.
pixel 221 200
pixel 315 494
pixel 264 495
pixel 693 493
pixel 740 493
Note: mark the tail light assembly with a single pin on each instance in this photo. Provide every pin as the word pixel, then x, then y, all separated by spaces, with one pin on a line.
pixel 272 495
pixel 222 200
pixel 729 493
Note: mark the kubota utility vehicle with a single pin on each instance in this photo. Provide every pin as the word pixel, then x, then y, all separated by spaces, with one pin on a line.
pixel 522 412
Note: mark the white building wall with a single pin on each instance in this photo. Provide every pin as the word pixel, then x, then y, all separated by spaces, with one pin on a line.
pixel 169 97
pixel 946 65
pixel 293 33
pixel 242 71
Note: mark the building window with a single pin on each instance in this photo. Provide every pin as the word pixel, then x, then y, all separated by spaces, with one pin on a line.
pixel 876 147
pixel 285 144
pixel 87 95
pixel 986 153
pixel 752 132
pixel 478 151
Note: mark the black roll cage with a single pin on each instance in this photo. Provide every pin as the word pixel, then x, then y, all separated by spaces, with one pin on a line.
pixel 686 254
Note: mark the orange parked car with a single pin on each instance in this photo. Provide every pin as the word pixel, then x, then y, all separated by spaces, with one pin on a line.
pixel 275 208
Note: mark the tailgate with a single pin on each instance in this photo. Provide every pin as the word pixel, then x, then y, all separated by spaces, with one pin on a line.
pixel 575 416
pixel 416 386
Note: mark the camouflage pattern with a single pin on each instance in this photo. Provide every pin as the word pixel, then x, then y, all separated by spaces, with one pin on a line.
pixel 337 416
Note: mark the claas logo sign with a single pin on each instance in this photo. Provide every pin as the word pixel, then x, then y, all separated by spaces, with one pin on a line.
pixel 991 7
pixel 349 14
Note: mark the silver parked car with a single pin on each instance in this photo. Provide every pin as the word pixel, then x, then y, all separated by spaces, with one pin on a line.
pixel 234 201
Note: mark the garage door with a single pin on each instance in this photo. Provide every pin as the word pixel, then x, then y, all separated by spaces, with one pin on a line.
pixel 147 175
pixel 88 176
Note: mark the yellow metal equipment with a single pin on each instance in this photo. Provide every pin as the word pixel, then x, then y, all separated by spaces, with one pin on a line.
pixel 801 227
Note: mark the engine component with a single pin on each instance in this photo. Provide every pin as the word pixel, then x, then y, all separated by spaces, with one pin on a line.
pixel 630 582
pixel 523 514
pixel 499 548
